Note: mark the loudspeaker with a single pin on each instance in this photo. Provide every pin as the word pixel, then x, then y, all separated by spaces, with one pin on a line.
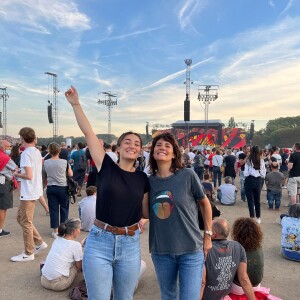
pixel 147 131
pixel 186 111
pixel 50 118
pixel 1 125
pixel 251 131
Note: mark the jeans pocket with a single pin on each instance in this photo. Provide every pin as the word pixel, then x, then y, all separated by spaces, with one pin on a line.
pixel 95 231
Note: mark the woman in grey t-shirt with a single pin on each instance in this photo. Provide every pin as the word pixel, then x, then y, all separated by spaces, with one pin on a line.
pixel 57 191
pixel 175 241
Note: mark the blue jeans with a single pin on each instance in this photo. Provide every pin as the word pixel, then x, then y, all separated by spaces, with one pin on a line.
pixel 111 260
pixel 189 268
pixel 252 189
pixel 242 187
pixel 58 201
pixel 217 175
pixel 274 196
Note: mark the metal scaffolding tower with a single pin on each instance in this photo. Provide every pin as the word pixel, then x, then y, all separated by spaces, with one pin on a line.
pixel 109 103
pixel 187 82
pixel 205 96
pixel 52 102
pixel 4 97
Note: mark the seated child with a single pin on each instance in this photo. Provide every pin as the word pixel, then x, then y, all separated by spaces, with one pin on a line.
pixel 87 208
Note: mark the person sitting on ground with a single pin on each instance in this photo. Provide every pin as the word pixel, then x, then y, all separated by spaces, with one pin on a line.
pixel 208 188
pixel 290 238
pixel 64 258
pixel 227 192
pixel 274 181
pixel 224 260
pixel 249 234
pixel 87 208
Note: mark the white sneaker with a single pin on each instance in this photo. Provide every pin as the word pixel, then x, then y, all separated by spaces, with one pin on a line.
pixel 258 220
pixel 54 235
pixel 22 257
pixel 40 248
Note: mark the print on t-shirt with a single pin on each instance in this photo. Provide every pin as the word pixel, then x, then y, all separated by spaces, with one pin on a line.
pixel 163 204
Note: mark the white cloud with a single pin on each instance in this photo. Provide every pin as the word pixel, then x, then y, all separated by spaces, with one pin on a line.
pixel 188 10
pixel 36 14
pixel 126 35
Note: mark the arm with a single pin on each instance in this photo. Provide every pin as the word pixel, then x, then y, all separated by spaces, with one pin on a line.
pixel 78 265
pixel 203 282
pixel 245 281
pixel 206 212
pixel 27 175
pixel 96 151
pixel 70 171
pixel 290 166
pixel 145 206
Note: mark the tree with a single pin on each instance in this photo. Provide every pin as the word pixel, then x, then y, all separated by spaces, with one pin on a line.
pixel 282 123
pixel 231 123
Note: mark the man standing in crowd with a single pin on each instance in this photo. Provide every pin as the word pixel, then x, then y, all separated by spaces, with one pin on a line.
pixel 294 175
pixel 64 153
pixel 79 161
pixel 31 190
pixel 224 260
pixel 7 165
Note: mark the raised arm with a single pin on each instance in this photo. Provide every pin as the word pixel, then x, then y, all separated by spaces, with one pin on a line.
pixel 97 152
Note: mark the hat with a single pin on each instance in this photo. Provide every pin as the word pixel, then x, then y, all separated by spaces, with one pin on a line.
pixel 286 150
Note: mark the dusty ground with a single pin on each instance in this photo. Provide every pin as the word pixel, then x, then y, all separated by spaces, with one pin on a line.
pixel 22 280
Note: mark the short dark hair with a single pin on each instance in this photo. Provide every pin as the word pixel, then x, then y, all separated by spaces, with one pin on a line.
pixel 27 134
pixel 91 190
pixel 294 210
pixel 80 145
pixel 206 176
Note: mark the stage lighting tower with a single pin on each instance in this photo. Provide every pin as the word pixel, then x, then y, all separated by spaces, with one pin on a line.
pixel 52 102
pixel 4 96
pixel 109 103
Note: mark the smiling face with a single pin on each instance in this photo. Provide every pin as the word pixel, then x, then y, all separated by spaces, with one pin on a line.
pixel 130 147
pixel 163 151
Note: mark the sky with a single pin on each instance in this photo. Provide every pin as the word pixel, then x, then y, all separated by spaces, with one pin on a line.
pixel 136 49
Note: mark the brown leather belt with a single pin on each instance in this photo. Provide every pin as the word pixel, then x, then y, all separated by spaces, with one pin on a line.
pixel 128 230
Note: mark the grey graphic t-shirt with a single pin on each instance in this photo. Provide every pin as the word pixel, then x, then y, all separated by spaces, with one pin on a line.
pixel 174 226
pixel 221 264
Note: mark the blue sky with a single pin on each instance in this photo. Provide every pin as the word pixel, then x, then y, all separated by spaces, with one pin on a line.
pixel 136 49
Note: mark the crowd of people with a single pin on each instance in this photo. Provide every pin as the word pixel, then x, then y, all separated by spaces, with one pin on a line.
pixel 175 189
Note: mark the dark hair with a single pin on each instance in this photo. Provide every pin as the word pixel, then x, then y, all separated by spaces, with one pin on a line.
pixel 248 233
pixel 15 152
pixel 91 190
pixel 294 211
pixel 27 134
pixel 114 148
pixel 43 147
pixel 297 146
pixel 254 157
pixel 68 227
pixel 80 145
pixel 206 176
pixel 176 161
pixel 54 149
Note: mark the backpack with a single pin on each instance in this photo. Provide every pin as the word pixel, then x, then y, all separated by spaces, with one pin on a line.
pixel 72 189
pixel 81 164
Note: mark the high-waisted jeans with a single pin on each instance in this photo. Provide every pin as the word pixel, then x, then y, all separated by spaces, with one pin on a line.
pixel 111 260
pixel 252 190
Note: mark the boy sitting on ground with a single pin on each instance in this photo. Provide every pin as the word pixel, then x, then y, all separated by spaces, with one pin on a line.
pixel 87 209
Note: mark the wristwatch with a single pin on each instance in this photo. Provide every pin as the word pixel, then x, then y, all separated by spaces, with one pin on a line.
pixel 208 232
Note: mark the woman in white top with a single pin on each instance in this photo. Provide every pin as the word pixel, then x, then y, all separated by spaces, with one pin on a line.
pixel 64 258
pixel 217 162
pixel 254 171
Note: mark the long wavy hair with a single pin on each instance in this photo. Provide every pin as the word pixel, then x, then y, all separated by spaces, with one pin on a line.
pixel 248 233
pixel 176 161
pixel 254 157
